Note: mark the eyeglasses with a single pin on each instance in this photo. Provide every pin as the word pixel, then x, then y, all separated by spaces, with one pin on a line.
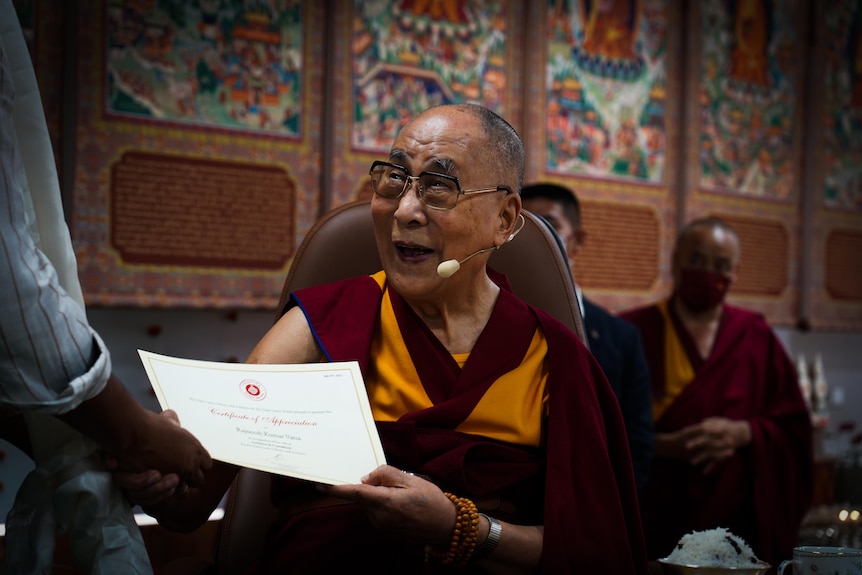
pixel 438 191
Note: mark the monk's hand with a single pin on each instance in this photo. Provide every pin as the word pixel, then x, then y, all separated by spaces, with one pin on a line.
pixel 400 502
pixel 671 445
pixel 714 440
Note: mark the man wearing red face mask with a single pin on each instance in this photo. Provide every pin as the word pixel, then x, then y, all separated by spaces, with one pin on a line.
pixel 732 432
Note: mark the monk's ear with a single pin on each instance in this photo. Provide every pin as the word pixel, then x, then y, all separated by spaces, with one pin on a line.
pixel 734 273
pixel 509 217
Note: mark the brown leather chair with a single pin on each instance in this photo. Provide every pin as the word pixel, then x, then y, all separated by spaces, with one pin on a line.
pixel 340 245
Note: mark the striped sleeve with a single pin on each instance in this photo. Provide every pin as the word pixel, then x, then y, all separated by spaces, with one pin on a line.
pixel 50 358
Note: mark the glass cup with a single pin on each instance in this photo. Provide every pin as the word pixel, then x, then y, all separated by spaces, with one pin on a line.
pixel 819 560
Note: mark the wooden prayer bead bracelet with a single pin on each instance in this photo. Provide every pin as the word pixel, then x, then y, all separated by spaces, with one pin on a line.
pixel 464 534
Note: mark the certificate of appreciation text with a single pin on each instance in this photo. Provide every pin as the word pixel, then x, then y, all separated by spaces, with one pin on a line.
pixel 309 421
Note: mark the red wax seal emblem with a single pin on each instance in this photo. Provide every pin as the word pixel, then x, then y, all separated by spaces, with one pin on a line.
pixel 252 389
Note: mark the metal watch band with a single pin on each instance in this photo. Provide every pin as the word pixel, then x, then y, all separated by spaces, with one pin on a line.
pixel 491 541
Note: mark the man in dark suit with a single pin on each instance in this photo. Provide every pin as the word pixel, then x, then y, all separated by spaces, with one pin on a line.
pixel 615 343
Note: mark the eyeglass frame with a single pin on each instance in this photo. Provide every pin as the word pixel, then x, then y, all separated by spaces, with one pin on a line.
pixel 420 192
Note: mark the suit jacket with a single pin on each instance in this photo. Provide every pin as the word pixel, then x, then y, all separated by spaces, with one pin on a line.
pixel 616 344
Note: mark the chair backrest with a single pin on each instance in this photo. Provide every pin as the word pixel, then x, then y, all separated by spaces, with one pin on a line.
pixel 340 245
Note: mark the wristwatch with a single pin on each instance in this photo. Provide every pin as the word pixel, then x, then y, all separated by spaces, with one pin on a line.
pixel 491 540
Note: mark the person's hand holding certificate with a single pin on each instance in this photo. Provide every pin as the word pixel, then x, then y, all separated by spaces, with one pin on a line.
pixel 310 421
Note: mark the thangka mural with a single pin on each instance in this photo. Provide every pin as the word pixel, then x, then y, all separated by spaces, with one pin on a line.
pixel 409 55
pixel 842 186
pixel 233 64
pixel 605 88
pixel 747 97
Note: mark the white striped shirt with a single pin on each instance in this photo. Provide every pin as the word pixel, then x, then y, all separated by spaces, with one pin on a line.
pixel 51 360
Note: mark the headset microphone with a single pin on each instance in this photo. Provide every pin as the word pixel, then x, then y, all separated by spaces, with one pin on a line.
pixel 448 268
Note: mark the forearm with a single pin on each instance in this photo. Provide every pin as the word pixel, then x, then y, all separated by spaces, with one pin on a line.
pixel 518 551
pixel 496 546
pixel 113 418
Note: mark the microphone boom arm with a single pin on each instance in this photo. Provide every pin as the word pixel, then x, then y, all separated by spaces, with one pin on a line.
pixel 449 267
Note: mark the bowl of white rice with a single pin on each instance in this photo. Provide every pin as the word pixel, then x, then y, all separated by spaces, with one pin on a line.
pixel 712 552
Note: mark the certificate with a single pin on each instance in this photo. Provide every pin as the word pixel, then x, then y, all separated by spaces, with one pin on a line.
pixel 309 421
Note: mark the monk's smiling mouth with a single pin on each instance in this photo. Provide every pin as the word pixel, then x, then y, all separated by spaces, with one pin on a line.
pixel 412 251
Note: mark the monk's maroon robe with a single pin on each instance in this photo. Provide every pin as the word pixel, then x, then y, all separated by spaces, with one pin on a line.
pixel 579 484
pixel 762 492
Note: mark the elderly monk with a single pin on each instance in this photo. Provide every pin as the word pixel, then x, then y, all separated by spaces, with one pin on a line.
pixel 733 434
pixel 500 417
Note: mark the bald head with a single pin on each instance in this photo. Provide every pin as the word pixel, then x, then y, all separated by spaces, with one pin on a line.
pixel 707 243
pixel 504 149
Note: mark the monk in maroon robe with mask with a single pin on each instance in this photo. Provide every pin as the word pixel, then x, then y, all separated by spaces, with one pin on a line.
pixel 733 434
